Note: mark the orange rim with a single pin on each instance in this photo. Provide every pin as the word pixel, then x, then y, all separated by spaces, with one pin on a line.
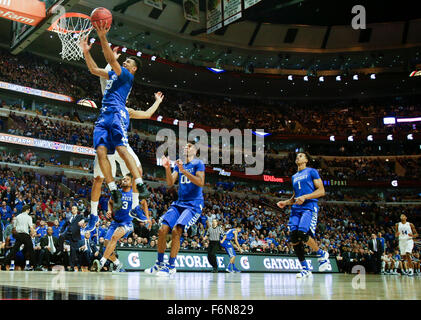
pixel 69 15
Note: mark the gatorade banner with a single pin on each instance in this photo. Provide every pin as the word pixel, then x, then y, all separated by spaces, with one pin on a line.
pixel 213 15
pixel 24 11
pixel 249 3
pixel 232 11
pixel 138 260
pixel 191 10
pixel 158 4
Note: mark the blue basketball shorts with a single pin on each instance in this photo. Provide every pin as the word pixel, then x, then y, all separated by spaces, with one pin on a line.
pixel 304 220
pixel 229 248
pixel 127 225
pixel 183 213
pixel 111 130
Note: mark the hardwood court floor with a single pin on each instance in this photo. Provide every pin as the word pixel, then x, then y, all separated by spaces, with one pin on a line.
pixel 202 286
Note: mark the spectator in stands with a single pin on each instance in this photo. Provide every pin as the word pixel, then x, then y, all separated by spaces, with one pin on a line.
pixel 6 213
pixel 41 230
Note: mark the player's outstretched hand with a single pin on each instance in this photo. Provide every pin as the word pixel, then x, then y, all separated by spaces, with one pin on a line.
pixel 84 45
pixel 101 28
pixel 179 164
pixel 165 162
pixel 159 96
pixel 116 54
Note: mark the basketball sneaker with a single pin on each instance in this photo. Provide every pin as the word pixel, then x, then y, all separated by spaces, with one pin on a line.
pixel 236 270
pixel 166 271
pixel 12 267
pixel 116 196
pixel 230 269
pixel 154 269
pixel 118 268
pixel 138 215
pixel 143 191
pixel 324 263
pixel 96 266
pixel 303 274
pixel 27 268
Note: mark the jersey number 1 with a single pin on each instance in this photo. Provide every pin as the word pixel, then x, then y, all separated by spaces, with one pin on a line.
pixel 299 185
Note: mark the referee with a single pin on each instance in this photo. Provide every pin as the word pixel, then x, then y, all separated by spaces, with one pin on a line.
pixel 23 225
pixel 214 234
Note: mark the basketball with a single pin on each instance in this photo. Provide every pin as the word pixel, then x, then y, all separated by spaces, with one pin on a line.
pixel 101 14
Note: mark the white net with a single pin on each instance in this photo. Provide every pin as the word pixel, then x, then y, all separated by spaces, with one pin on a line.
pixel 71 29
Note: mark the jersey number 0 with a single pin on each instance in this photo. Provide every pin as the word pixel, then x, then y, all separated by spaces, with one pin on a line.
pixel 184 180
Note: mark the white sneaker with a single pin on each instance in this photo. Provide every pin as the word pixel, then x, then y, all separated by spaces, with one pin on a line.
pixel 165 271
pixel 324 263
pixel 154 269
pixel 303 274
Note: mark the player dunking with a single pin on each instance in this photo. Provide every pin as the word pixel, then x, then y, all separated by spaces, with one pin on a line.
pixel 98 175
pixel 110 133
pixel 184 212
pixel 308 187
pixel 406 232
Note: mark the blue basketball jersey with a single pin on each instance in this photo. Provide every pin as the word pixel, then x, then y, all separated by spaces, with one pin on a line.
pixel 188 191
pixel 117 90
pixel 302 183
pixel 229 236
pixel 122 215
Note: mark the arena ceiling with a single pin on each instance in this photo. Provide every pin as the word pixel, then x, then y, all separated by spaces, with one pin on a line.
pixel 196 54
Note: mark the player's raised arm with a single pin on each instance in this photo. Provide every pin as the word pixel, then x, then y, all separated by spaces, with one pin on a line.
pixel 92 66
pixel 171 177
pixel 102 31
pixel 137 114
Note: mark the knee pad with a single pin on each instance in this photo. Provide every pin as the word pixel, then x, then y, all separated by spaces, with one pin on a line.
pixel 294 236
pixel 302 236
pixel 299 251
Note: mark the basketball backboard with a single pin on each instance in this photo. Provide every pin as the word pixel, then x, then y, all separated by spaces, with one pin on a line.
pixel 24 34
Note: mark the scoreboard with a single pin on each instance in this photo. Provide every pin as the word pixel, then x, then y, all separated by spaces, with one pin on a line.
pixel 220 13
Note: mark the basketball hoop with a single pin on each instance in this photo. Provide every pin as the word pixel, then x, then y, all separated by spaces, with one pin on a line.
pixel 71 28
